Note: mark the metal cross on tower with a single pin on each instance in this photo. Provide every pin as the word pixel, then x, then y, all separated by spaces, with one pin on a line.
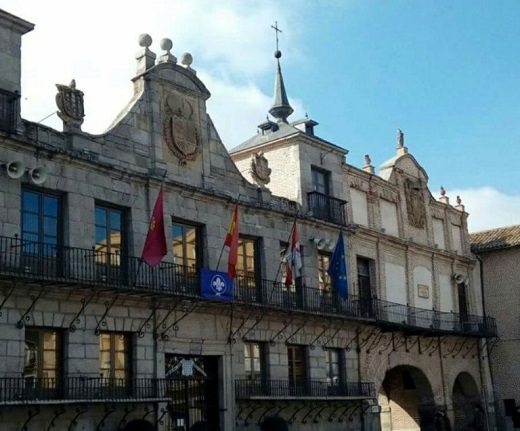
pixel 277 30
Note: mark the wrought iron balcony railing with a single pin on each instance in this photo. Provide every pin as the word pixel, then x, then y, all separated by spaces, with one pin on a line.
pixel 274 294
pixel 24 390
pixel 70 265
pixel 255 389
pixel 326 207
pixel 47 262
pixel 8 111
pixel 403 317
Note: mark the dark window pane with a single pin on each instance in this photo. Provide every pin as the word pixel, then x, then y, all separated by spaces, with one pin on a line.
pixel 101 217
pixel 101 238
pixel 30 201
pixel 50 206
pixel 50 226
pixel 30 223
pixel 115 220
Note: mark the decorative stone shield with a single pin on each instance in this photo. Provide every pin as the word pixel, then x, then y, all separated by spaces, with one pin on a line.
pixel 180 130
pixel 70 104
pixel 415 203
pixel 260 170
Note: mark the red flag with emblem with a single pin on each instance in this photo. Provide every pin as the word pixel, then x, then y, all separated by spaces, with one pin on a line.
pixel 155 246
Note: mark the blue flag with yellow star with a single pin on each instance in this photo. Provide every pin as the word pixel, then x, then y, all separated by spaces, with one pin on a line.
pixel 338 268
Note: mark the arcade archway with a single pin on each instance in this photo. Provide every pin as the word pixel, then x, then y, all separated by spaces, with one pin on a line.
pixel 406 400
pixel 467 403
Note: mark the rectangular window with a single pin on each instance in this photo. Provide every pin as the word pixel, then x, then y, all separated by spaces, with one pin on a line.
pixel 185 245
pixel 334 369
pixel 320 181
pixel 254 361
pixel 248 271
pixel 359 205
pixel 41 223
pixel 297 370
pixel 42 360
pixel 329 300
pixel 115 365
pixel 364 266
pixel 247 257
pixel 110 243
pixel 389 222
pixel 110 239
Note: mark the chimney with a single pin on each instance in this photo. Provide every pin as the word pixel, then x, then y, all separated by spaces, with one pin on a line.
pixel 11 30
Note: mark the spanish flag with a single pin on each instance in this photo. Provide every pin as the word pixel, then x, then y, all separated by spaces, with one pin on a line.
pixel 232 243
pixel 155 246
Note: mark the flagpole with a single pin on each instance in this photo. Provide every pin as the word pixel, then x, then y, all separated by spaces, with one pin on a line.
pixel 141 260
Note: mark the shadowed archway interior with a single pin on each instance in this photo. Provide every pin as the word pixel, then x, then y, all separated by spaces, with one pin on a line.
pixel 406 400
pixel 466 403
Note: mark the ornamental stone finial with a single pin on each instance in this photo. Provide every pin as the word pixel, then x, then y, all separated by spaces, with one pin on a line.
pixel 145 58
pixel 187 60
pixel 443 191
pixel 166 45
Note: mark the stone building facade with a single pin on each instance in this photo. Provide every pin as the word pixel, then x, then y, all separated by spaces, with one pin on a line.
pixel 498 251
pixel 93 339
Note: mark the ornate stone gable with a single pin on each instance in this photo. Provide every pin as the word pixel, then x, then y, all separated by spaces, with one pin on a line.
pixel 181 127
pixel 415 203
pixel 260 170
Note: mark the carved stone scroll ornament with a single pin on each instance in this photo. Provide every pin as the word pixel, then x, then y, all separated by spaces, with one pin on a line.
pixel 260 170
pixel 180 130
pixel 415 203
pixel 70 104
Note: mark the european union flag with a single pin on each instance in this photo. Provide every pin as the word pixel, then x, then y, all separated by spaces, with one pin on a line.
pixel 338 268
pixel 216 285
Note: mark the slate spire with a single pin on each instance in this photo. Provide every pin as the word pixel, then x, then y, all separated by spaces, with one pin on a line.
pixel 281 108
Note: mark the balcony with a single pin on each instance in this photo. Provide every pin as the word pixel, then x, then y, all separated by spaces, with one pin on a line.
pixel 8 111
pixel 36 261
pixel 399 317
pixel 28 390
pixel 284 389
pixel 48 263
pixel 272 294
pixel 326 208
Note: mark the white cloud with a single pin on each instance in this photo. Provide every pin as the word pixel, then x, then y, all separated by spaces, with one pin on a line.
pixel 95 43
pixel 488 207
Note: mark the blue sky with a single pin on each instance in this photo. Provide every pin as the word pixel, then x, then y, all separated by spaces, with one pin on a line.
pixel 445 72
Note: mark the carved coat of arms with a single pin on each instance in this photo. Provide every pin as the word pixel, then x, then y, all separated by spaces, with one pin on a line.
pixel 415 203
pixel 260 170
pixel 70 104
pixel 180 130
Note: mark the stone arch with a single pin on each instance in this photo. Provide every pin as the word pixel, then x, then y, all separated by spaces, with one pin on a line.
pixel 467 404
pixel 381 364
pixel 406 399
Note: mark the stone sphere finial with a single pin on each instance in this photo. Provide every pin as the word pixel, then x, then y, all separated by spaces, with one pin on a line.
pixel 187 59
pixel 145 40
pixel 166 44
pixel 443 191
pixel 459 200
pixel 277 53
